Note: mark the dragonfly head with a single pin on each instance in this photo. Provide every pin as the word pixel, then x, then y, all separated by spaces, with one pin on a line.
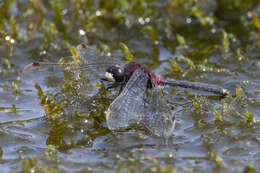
pixel 114 74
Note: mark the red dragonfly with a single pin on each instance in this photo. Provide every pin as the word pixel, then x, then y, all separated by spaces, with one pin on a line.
pixel 133 105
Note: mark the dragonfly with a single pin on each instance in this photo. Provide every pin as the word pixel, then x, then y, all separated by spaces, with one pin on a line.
pixel 134 105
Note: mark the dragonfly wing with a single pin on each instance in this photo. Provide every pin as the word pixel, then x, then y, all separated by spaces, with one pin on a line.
pixel 90 55
pixel 158 118
pixel 128 107
pixel 94 64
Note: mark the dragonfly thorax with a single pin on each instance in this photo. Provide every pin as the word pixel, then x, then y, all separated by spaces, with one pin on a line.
pixel 120 75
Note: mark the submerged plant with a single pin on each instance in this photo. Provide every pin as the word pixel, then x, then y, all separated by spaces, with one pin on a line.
pixel 51 106
pixel 128 54
pixel 196 33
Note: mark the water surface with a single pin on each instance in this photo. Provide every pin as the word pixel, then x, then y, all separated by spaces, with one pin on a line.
pixel 63 129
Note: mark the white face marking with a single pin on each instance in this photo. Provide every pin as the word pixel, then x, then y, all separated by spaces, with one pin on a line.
pixel 119 70
pixel 109 77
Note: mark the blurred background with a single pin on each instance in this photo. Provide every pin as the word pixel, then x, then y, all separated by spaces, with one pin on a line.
pixel 53 122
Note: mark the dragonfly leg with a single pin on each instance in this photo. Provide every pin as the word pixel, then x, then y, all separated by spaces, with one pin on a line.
pixel 113 85
pixel 121 89
pixel 103 79
pixel 109 86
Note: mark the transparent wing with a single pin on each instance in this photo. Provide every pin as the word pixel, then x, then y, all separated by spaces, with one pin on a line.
pixel 158 118
pixel 91 56
pixel 128 107
pixel 94 63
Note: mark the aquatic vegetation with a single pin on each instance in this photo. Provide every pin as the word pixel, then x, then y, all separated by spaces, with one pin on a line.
pixel 239 91
pixel 249 116
pixel 1 153
pixel 180 57
pixel 15 87
pixel 51 153
pixel 6 63
pixel 175 67
pixel 14 110
pixel 256 20
pixel 30 165
pixel 217 116
pixel 181 41
pixel 128 55
pixel 50 105
pixel 150 31
pixel 225 41
pixel 200 105
pixel 74 55
pixel 58 119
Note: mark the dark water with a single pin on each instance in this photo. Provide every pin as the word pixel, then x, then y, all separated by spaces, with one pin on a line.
pixel 207 41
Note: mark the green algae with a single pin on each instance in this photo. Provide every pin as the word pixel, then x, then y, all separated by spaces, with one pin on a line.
pixel 217 43
pixel 50 105
pixel 128 54
pixel 6 63
pixel 30 165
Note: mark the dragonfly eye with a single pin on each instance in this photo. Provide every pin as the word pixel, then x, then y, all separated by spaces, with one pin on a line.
pixel 114 74
pixel 120 71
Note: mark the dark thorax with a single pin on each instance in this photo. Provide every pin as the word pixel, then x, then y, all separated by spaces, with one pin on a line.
pixel 121 75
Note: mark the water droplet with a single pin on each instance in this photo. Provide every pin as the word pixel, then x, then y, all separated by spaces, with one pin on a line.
pixel 213 30
pixel 127 22
pixel 98 13
pixel 12 41
pixel 147 20
pixel 86 121
pixel 188 20
pixel 80 12
pixel 43 52
pixel 156 42
pixel 64 11
pixel 82 32
pixel 7 38
pixel 249 14
pixel 210 20
pixel 141 20
pixel 154 169
pixel 32 170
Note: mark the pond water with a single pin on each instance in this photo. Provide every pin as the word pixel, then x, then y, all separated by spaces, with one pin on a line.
pixel 52 121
